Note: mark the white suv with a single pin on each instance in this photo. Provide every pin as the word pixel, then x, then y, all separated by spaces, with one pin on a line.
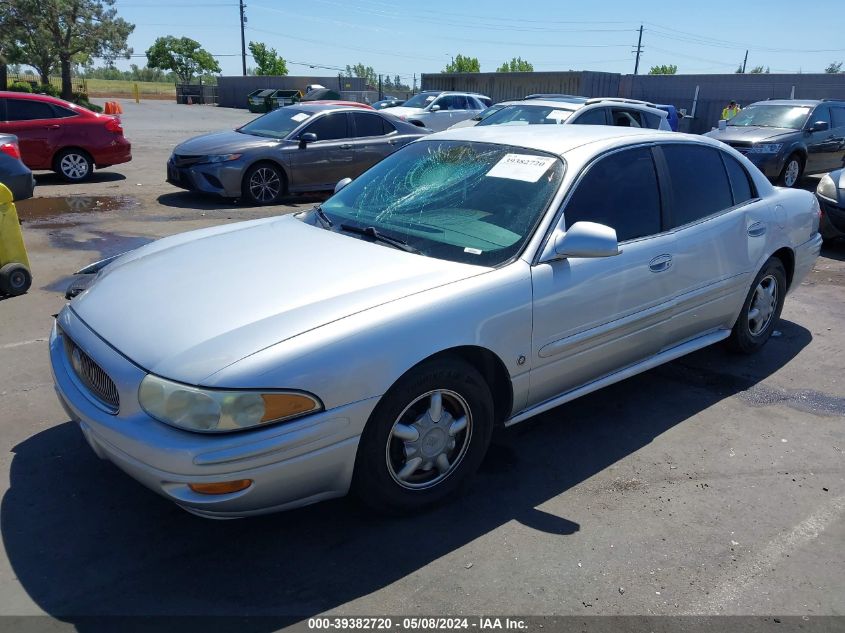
pixel 577 110
pixel 439 110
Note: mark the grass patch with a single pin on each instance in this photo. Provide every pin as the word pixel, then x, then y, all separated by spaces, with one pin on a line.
pixel 117 87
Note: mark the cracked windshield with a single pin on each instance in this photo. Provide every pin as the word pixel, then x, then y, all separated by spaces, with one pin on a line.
pixel 475 203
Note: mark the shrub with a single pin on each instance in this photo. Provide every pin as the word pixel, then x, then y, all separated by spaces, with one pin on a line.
pixel 20 86
pixel 48 89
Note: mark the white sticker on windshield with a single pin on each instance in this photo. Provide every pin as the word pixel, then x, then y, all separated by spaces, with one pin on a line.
pixel 300 116
pixel 521 167
pixel 473 251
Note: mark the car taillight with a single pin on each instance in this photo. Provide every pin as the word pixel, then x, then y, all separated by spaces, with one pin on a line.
pixel 113 125
pixel 11 149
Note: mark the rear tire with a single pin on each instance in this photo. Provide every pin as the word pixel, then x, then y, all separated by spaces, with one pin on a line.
pixel 761 309
pixel 263 184
pixel 409 458
pixel 74 165
pixel 15 279
pixel 793 171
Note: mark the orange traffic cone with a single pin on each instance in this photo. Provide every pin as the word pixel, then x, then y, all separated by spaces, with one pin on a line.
pixel 107 107
pixel 118 108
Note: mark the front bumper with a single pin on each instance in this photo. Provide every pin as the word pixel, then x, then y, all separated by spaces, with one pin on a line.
pixel 291 464
pixel 221 179
pixel 833 219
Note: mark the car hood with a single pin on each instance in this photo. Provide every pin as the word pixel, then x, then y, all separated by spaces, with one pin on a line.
pixel 222 143
pixel 187 306
pixel 750 134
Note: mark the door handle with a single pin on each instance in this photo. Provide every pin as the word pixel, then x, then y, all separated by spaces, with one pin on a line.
pixel 757 229
pixel 52 127
pixel 660 263
pixel 346 146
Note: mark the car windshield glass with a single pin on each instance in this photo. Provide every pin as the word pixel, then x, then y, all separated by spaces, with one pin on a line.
pixel 785 116
pixel 421 100
pixel 474 203
pixel 527 115
pixel 486 113
pixel 276 124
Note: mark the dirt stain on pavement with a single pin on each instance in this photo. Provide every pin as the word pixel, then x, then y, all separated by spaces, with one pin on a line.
pixel 70 211
pixel 805 400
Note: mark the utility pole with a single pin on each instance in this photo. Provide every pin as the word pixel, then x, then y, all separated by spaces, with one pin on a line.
pixel 744 62
pixel 414 89
pixel 639 50
pixel 243 38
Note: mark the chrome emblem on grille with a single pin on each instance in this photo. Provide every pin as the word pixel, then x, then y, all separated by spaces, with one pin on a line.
pixel 76 361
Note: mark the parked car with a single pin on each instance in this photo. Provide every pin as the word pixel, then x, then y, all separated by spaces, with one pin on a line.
pixel 478 117
pixel 13 173
pixel 473 279
pixel 305 147
pixel 831 195
pixel 438 110
pixel 340 102
pixel 588 112
pixel 789 138
pixel 388 103
pixel 61 136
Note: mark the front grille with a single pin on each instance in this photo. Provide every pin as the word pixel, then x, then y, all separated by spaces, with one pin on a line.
pixel 185 160
pixel 742 148
pixel 92 376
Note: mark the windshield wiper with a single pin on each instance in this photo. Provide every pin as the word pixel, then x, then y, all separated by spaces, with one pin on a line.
pixel 372 233
pixel 318 210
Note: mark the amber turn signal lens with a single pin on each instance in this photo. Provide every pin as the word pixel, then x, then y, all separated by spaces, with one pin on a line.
pixel 278 406
pixel 221 487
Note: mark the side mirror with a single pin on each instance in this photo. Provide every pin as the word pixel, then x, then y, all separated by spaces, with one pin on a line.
pixel 586 239
pixel 434 108
pixel 308 137
pixel 819 126
pixel 341 184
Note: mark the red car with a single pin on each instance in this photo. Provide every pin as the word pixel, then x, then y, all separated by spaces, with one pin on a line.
pixel 63 137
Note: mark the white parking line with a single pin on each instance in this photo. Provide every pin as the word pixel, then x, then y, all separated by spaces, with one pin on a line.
pixel 777 549
pixel 22 343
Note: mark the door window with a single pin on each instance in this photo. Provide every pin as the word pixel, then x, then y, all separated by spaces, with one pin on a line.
pixel 63 113
pixel 698 182
pixel 330 127
pixel 452 102
pixel 740 182
pixel 592 117
pixel 627 118
pixel 369 125
pixel 619 191
pixel 822 113
pixel 27 110
pixel 837 115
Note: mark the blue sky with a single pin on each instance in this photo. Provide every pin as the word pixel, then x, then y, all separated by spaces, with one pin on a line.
pixel 406 38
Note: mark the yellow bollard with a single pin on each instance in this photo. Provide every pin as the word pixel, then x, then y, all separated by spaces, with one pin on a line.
pixel 136 92
pixel 15 277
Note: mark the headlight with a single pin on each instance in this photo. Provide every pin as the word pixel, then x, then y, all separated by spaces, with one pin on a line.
pixel 213 411
pixel 220 158
pixel 766 148
pixel 827 188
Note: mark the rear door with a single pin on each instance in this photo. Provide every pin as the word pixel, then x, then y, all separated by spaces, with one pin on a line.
pixel 821 145
pixel 321 164
pixel 37 127
pixel 374 138
pixel 837 120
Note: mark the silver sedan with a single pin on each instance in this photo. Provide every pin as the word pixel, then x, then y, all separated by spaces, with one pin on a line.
pixel 293 149
pixel 473 279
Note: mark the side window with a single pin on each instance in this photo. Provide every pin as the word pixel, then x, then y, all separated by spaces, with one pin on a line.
pixel 651 120
pixel 330 127
pixel 822 113
pixel 592 117
pixel 740 182
pixel 698 182
pixel 619 191
pixel 837 115
pixel 26 110
pixel 368 125
pixel 626 118
pixel 387 126
pixel 63 113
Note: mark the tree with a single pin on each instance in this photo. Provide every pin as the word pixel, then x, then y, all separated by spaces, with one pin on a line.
pixel 182 55
pixel 267 61
pixel 663 69
pixel 834 68
pixel 516 65
pixel 66 31
pixel 461 64
pixel 739 70
pixel 365 72
pixel 758 70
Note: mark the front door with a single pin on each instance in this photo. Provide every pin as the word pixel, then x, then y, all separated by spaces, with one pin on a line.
pixel 374 138
pixel 593 316
pixel 821 145
pixel 37 128
pixel 321 164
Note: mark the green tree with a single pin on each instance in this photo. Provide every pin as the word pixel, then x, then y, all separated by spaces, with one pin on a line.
pixel 663 69
pixel 834 68
pixel 516 65
pixel 759 70
pixel 267 61
pixel 366 72
pixel 68 31
pixel 461 64
pixel 182 55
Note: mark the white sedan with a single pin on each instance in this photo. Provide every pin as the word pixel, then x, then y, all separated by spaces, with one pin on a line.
pixel 474 278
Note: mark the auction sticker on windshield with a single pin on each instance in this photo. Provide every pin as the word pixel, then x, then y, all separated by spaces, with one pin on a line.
pixel 301 116
pixel 521 167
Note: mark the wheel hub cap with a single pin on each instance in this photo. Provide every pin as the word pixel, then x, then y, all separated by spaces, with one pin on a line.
pixel 763 305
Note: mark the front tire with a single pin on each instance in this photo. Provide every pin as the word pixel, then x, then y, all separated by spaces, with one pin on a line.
pixel 15 279
pixel 74 165
pixel 263 184
pixel 426 438
pixel 761 309
pixel 793 171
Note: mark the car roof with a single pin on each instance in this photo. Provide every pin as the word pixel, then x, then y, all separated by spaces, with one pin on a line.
pixel 574 106
pixel 559 139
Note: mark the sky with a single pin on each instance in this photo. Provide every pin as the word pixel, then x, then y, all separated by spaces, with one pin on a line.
pixel 407 38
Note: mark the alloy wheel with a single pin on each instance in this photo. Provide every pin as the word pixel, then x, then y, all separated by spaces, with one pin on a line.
pixel 790 175
pixel 265 184
pixel 763 305
pixel 74 166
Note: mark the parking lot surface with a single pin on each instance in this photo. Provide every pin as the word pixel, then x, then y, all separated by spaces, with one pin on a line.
pixel 711 485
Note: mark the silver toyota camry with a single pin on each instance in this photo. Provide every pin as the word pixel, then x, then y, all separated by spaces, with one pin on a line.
pixel 474 278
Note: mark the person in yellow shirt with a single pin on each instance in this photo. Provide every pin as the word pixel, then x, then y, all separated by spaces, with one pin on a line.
pixel 731 111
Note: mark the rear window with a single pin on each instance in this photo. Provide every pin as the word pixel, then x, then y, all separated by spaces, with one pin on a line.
pixel 740 182
pixel 698 182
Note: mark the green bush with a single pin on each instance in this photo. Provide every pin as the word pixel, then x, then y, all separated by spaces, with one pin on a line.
pixel 48 89
pixel 81 99
pixel 20 86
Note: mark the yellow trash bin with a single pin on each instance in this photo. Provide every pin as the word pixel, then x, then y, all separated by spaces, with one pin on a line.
pixel 15 278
